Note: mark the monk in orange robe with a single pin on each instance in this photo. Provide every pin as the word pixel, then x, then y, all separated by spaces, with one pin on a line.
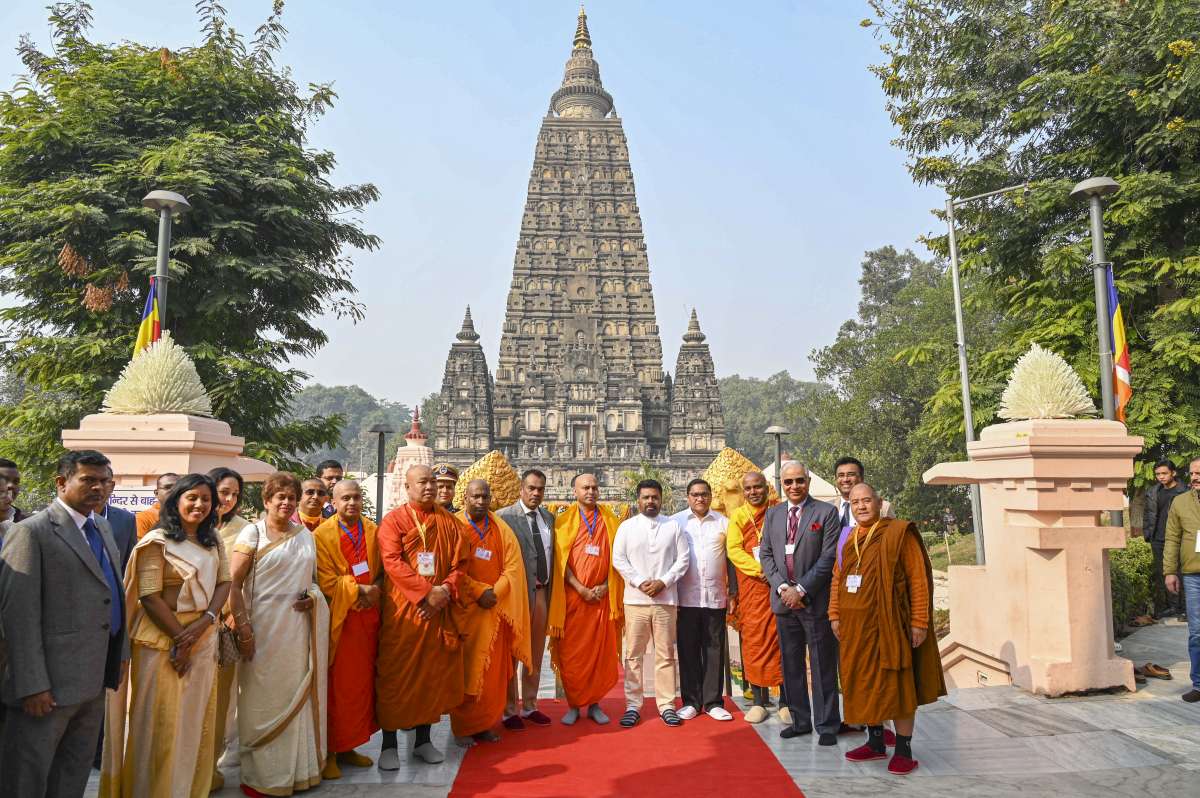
pixel 496 624
pixel 349 574
pixel 584 620
pixel 757 631
pixel 880 608
pixel 313 498
pixel 419 672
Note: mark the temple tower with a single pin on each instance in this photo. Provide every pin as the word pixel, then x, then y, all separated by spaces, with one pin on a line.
pixel 697 420
pixel 463 425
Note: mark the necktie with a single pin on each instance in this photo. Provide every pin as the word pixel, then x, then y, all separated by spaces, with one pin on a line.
pixel 541 575
pixel 96 543
pixel 792 528
pixel 845 515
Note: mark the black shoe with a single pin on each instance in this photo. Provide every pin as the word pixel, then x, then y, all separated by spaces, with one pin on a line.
pixel 671 717
pixel 1191 696
pixel 791 732
pixel 827 739
pixel 630 718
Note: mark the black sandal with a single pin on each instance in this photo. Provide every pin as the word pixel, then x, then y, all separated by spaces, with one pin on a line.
pixel 671 718
pixel 630 718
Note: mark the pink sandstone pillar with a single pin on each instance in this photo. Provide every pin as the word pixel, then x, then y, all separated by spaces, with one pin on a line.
pixel 1038 615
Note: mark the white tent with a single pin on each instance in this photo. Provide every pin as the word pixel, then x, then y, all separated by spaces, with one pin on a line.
pixel 818 488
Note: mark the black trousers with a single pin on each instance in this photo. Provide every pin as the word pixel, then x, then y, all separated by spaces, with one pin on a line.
pixel 700 636
pixel 52 755
pixel 799 631
pixel 1164 601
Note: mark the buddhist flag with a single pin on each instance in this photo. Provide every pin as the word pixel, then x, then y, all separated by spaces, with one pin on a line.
pixel 1122 386
pixel 151 328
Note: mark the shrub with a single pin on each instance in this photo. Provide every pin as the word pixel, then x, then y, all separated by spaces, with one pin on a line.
pixel 1129 572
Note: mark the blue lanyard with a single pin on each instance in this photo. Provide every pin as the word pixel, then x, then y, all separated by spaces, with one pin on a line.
pixel 356 542
pixel 482 534
pixel 591 525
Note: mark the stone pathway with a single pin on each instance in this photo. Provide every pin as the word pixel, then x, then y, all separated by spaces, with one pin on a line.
pixel 985 741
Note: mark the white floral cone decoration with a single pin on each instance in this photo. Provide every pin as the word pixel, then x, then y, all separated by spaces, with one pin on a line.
pixel 160 379
pixel 1043 385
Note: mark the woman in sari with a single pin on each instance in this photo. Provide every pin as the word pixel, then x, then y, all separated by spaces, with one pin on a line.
pixel 282 625
pixel 176 582
pixel 229 500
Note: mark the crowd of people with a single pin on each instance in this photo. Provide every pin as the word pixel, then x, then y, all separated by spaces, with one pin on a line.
pixel 160 646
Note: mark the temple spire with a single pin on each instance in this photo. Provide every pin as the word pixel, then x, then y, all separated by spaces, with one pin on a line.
pixel 693 334
pixel 467 333
pixel 582 37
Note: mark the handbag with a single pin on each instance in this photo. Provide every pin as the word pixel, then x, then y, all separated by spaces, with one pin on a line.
pixel 228 652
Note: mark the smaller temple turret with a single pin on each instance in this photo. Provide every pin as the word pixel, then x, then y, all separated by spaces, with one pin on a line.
pixel 413 451
pixel 697 421
pixel 463 430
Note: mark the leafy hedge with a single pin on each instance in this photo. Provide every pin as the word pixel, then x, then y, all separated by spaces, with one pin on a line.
pixel 1129 571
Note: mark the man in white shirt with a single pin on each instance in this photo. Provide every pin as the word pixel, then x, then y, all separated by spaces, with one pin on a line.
pixel 651 554
pixel 703 596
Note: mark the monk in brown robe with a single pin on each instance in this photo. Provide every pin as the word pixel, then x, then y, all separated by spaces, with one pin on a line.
pixel 496 623
pixel 586 602
pixel 881 609
pixel 419 674
pixel 757 631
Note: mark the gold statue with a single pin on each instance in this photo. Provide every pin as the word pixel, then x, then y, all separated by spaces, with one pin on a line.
pixel 725 474
pixel 500 476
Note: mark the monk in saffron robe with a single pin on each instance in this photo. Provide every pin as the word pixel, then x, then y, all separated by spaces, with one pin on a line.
pixel 880 607
pixel 419 672
pixel 313 496
pixel 496 623
pixel 349 574
pixel 757 630
pixel 583 621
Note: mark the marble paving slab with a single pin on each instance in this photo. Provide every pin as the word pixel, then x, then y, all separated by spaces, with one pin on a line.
pixel 1029 721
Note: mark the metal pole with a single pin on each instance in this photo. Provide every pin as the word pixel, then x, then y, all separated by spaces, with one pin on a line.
pixel 778 464
pixel 160 272
pixel 964 378
pixel 1100 267
pixel 379 481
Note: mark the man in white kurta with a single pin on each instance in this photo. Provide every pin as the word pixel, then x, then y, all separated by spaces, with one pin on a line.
pixel 651 554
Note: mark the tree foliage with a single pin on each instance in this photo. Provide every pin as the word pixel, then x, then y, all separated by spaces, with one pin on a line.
pixel 84 136
pixel 357 411
pixel 987 93
pixel 750 405
pixel 887 366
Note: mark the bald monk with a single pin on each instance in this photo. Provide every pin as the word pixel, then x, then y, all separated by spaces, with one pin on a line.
pixel 419 672
pixel 880 608
pixel 757 630
pixel 313 498
pixel 583 619
pixel 496 624
pixel 349 574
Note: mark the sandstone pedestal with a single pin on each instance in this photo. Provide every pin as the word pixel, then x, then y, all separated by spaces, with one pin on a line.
pixel 142 447
pixel 1038 615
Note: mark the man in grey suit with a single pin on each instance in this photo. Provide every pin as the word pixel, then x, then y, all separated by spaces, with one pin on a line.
pixel 534 527
pixel 797 552
pixel 62 611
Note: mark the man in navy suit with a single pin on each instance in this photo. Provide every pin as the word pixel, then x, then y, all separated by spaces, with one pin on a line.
pixel 123 523
pixel 797 552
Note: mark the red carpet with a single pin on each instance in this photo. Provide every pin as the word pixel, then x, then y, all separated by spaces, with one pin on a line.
pixel 703 757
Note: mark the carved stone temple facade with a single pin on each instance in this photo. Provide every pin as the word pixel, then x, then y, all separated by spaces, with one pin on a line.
pixel 579 383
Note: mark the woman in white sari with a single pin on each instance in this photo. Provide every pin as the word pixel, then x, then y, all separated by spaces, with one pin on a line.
pixel 176 582
pixel 283 632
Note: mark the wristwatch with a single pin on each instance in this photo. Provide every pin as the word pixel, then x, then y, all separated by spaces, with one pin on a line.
pixel 211 614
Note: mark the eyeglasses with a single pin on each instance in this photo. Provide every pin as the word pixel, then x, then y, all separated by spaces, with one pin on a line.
pixel 699 495
pixel 795 481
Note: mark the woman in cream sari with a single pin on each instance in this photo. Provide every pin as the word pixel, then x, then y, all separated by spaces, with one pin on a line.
pixel 283 632
pixel 229 500
pixel 176 582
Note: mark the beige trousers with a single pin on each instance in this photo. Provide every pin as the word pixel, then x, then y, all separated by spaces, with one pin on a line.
pixel 530 678
pixel 644 624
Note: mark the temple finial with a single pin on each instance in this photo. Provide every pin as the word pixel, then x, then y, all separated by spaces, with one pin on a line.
pixel 467 333
pixel 693 334
pixel 582 37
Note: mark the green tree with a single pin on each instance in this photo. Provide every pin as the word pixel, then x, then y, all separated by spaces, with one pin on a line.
pixel 750 405
pixel 887 365
pixel 647 470
pixel 83 137
pixel 986 93
pixel 357 411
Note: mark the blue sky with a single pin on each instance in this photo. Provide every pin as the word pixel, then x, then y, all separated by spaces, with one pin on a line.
pixel 759 143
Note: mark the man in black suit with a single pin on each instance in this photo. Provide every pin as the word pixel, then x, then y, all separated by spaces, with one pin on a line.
pixel 63 615
pixel 797 551
pixel 123 523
